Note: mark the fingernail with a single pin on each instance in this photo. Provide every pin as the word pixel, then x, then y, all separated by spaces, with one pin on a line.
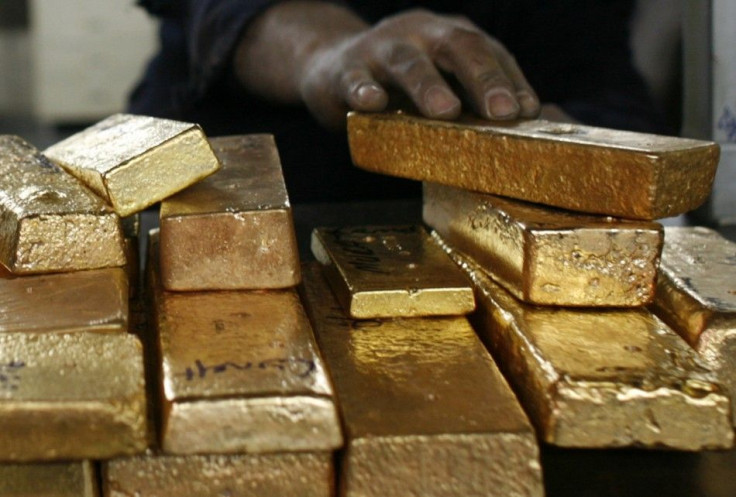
pixel 441 102
pixel 500 104
pixel 368 93
pixel 528 103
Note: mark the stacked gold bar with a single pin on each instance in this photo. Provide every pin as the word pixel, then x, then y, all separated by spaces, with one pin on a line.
pixel 591 365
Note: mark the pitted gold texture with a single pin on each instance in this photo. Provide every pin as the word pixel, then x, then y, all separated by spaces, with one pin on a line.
pixel 391 271
pixel 95 301
pixel 602 378
pixel 135 161
pixel 576 167
pixel 241 372
pixel 70 396
pixel 424 407
pixel 49 222
pixel 62 479
pixel 696 295
pixel 245 213
pixel 302 474
pixel 549 256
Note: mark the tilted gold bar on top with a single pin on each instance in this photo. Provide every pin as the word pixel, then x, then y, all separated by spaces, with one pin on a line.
pixel 391 271
pixel 49 222
pixel 240 372
pixel 135 161
pixel 56 479
pixel 549 256
pixel 425 409
pixel 593 378
pixel 581 168
pixel 245 212
pixel 696 295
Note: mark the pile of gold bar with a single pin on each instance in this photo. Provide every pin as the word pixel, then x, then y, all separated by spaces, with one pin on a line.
pixel 607 339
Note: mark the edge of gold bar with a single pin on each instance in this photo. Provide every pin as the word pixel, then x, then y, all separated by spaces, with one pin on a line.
pixel 49 222
pixel 576 167
pixel 63 479
pixel 303 474
pixel 548 256
pixel 93 301
pixel 135 161
pixel 391 271
pixel 696 296
pixel 425 409
pixel 245 211
pixel 71 396
pixel 241 372
pixel 602 378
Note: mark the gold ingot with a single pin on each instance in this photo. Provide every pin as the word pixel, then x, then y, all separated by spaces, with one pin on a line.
pixel 548 256
pixel 49 222
pixel 241 372
pixel 63 479
pixel 425 409
pixel 244 210
pixel 696 295
pixel 95 301
pixel 70 396
pixel 602 378
pixel 576 167
pixel 302 474
pixel 391 271
pixel 135 161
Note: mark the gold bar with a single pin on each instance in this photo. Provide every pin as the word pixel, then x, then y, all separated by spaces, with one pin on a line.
pixel 70 396
pixel 576 167
pixel 696 296
pixel 135 161
pixel 64 479
pixel 391 271
pixel 548 256
pixel 425 409
pixel 602 378
pixel 95 301
pixel 245 212
pixel 240 372
pixel 254 475
pixel 48 221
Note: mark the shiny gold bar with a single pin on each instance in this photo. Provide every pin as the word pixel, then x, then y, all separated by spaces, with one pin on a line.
pixel 425 409
pixel 391 271
pixel 70 396
pixel 93 301
pixel 548 256
pixel 245 212
pixel 576 167
pixel 135 161
pixel 64 479
pixel 48 221
pixel 602 378
pixel 302 474
pixel 240 372
pixel 696 296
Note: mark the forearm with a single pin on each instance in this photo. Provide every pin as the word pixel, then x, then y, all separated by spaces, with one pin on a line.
pixel 276 47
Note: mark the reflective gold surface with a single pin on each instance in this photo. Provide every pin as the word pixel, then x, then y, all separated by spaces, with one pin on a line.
pixel 245 213
pixel 95 300
pixel 70 396
pixel 48 221
pixel 696 295
pixel 391 271
pixel 135 161
pixel 241 372
pixel 596 170
pixel 549 256
pixel 425 410
pixel 254 475
pixel 65 479
pixel 602 378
